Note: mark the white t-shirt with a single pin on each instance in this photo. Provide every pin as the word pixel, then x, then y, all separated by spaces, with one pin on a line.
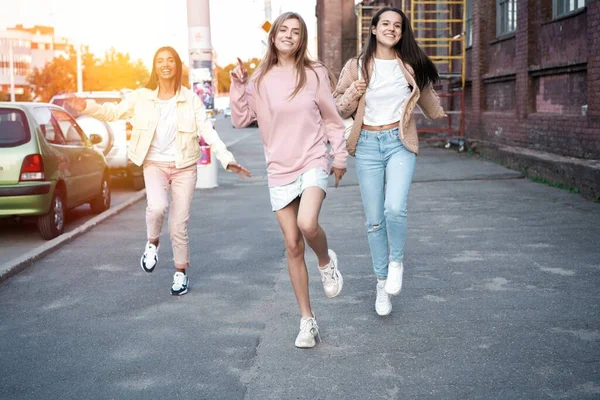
pixel 163 146
pixel 386 93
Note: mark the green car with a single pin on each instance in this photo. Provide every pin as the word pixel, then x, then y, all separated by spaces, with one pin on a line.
pixel 48 165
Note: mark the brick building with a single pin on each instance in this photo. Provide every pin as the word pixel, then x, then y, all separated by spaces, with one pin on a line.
pixel 533 80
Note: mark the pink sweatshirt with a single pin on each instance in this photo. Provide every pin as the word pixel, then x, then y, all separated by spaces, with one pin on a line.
pixel 294 131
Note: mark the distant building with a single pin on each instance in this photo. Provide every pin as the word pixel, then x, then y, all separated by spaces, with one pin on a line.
pixel 32 48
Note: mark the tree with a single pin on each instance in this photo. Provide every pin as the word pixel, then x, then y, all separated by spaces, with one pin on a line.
pixel 223 83
pixel 115 72
pixel 56 76
pixel 25 96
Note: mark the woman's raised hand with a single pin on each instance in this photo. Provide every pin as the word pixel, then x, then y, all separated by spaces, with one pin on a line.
pixel 239 73
pixel 76 103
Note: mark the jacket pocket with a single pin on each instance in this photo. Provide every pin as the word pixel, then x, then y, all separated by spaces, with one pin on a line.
pixel 187 126
pixel 139 127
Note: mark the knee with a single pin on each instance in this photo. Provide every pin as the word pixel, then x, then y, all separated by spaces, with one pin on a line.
pixel 178 232
pixel 295 248
pixel 375 226
pixel 395 211
pixel 157 210
pixel 308 228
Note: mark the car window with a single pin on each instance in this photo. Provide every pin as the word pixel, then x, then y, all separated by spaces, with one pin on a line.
pixel 73 135
pixel 14 129
pixel 49 126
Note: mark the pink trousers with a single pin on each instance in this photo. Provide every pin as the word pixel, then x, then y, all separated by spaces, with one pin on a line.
pixel 159 177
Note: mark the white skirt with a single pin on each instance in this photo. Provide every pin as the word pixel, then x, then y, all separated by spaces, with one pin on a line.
pixel 281 196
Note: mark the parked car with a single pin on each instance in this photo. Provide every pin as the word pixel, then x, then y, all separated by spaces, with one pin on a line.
pixel 48 165
pixel 227 112
pixel 115 134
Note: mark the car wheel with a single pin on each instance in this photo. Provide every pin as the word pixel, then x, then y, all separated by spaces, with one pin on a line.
pixel 52 224
pixel 138 182
pixel 102 202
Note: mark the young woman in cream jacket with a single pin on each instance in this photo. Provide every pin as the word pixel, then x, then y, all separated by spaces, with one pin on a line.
pixel 167 120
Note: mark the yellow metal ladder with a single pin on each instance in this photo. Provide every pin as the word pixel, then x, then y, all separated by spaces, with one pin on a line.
pixel 439 28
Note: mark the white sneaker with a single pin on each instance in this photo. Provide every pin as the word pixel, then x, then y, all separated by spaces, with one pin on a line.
pixel 393 284
pixel 383 303
pixel 149 258
pixel 309 332
pixel 331 276
pixel 180 284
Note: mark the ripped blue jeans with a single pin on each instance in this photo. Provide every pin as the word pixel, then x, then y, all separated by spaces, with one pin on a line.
pixel 385 169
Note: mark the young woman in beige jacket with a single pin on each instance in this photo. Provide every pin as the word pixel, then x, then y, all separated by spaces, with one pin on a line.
pixel 167 120
pixel 397 76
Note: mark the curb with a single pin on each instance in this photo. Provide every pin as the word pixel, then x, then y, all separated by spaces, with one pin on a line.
pixel 18 264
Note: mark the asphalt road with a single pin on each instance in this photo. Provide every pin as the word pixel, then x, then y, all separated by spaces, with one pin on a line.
pixel 500 300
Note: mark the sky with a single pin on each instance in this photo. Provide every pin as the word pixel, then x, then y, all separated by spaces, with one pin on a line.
pixel 139 27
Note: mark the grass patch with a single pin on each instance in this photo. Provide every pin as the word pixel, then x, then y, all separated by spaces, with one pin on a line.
pixel 554 184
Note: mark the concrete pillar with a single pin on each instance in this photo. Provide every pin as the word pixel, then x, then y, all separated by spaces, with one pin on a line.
pixel 336 31
pixel 201 79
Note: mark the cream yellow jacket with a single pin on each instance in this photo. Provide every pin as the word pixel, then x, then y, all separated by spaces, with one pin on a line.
pixel 142 108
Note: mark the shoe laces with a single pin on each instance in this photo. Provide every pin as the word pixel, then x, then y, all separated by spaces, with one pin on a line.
pixel 382 296
pixel 150 250
pixel 328 275
pixel 178 279
pixel 308 326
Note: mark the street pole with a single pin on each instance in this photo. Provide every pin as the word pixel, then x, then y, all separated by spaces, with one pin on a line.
pixel 79 44
pixel 79 69
pixel 268 10
pixel 201 78
pixel 11 67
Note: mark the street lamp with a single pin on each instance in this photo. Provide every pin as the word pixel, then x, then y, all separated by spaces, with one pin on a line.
pixel 11 67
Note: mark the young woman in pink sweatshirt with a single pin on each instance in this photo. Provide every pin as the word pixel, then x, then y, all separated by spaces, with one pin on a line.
pixel 290 96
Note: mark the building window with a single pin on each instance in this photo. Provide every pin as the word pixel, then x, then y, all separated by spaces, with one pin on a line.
pixel 469 23
pixel 506 17
pixel 564 7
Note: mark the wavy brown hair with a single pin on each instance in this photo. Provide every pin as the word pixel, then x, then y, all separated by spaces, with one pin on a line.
pixel 407 50
pixel 302 60
pixel 153 80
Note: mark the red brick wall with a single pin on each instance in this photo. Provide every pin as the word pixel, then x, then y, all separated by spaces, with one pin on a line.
pixel 500 96
pixel 563 41
pixel 556 67
pixel 525 89
pixel 561 94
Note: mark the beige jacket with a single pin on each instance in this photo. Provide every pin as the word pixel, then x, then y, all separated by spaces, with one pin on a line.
pixel 142 107
pixel 350 103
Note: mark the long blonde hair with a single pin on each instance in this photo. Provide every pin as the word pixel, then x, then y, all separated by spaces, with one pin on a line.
pixel 301 58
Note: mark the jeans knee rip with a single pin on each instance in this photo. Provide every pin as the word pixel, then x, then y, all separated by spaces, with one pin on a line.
pixel 374 227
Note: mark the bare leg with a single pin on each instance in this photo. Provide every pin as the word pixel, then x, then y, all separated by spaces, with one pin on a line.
pixel 294 246
pixel 308 223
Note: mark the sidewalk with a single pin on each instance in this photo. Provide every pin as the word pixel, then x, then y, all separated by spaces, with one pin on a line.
pixel 500 300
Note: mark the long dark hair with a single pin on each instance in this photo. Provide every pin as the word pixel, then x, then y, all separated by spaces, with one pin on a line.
pixel 407 49
pixel 153 81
